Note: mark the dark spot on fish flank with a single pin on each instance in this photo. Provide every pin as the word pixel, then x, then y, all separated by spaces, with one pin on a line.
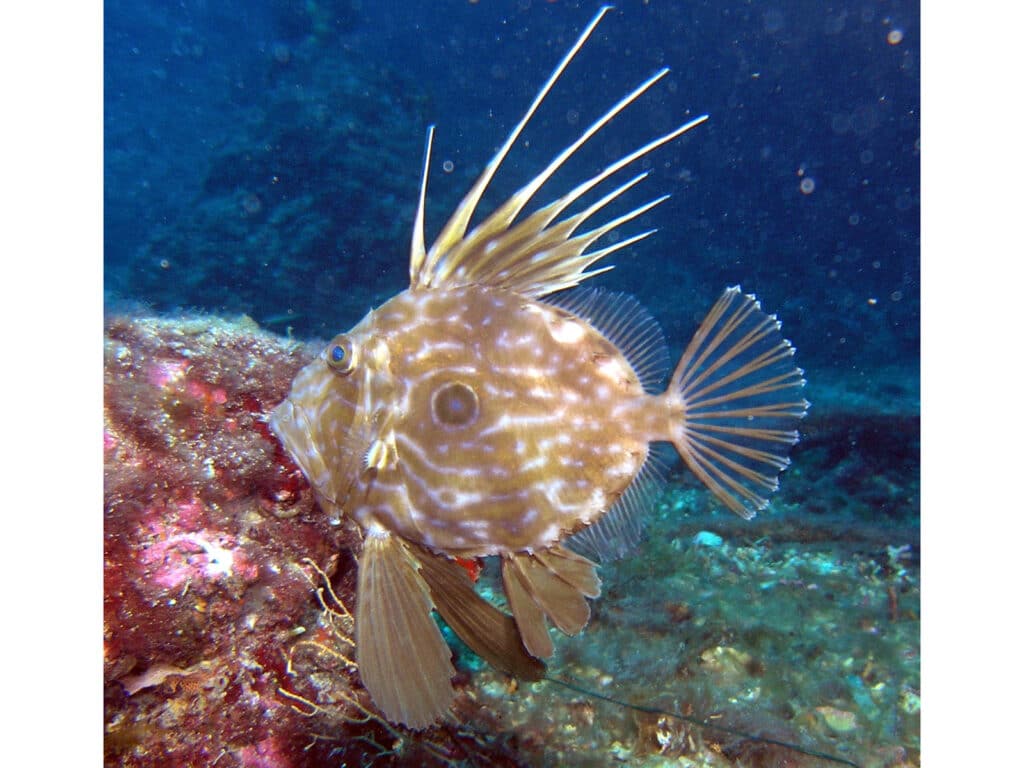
pixel 455 404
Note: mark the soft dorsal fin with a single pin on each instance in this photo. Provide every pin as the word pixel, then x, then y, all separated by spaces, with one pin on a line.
pixel 537 255
pixel 627 324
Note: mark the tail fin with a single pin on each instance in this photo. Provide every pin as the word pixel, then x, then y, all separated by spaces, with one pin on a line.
pixel 740 394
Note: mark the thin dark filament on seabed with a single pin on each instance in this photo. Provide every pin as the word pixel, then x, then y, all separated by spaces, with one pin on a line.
pixel 701 723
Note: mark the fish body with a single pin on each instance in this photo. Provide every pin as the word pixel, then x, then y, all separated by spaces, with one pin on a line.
pixel 495 423
pixel 478 414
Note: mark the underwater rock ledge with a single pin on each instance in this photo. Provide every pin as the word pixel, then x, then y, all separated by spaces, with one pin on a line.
pixel 218 648
pixel 227 637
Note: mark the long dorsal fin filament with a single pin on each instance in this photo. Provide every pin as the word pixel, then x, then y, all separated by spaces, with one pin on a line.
pixel 419 248
pixel 456 227
pixel 536 256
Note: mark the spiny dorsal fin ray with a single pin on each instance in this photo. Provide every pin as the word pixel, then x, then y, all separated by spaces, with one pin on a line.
pixel 501 219
pixel 456 227
pixel 498 253
pixel 480 257
pixel 543 217
pixel 511 263
pixel 533 273
pixel 419 248
pixel 567 274
pixel 535 233
pixel 740 395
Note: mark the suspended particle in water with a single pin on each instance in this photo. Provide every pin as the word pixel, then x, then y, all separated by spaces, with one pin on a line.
pixel 895 36
pixel 281 52
pixel 896 295
pixel 447 166
pixel 854 219
pixel 251 205
pixel 807 185
pixel 773 20
pixel 572 117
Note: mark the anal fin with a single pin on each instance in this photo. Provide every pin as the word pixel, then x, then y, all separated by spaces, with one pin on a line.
pixel 403 659
pixel 528 615
pixel 554 583
pixel 573 568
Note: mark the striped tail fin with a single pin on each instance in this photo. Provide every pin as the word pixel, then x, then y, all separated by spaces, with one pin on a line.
pixel 740 392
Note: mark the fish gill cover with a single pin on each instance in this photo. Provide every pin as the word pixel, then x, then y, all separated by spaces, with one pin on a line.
pixel 264 161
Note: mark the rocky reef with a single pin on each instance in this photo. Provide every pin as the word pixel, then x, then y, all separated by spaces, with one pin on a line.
pixel 227 634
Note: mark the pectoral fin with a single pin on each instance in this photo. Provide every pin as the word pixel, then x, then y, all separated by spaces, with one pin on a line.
pixel 403 659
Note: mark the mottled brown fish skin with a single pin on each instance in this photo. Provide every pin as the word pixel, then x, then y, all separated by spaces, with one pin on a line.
pixel 535 452
pixel 468 417
pixel 549 428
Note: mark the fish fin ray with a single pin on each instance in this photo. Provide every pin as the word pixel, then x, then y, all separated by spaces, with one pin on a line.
pixel 621 529
pixel 404 661
pixel 573 568
pixel 627 324
pixel 536 256
pixel 528 615
pixel 454 230
pixel 418 249
pixel 740 392
pixel 562 602
pixel 491 633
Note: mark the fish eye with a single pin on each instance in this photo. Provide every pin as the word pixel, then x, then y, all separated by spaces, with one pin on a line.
pixel 454 404
pixel 341 355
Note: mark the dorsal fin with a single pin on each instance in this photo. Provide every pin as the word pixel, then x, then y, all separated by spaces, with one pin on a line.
pixel 535 256
pixel 627 324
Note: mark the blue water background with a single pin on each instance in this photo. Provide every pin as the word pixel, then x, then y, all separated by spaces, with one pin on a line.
pixel 796 91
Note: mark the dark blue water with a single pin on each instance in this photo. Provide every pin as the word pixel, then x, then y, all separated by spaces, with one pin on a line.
pixel 265 159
